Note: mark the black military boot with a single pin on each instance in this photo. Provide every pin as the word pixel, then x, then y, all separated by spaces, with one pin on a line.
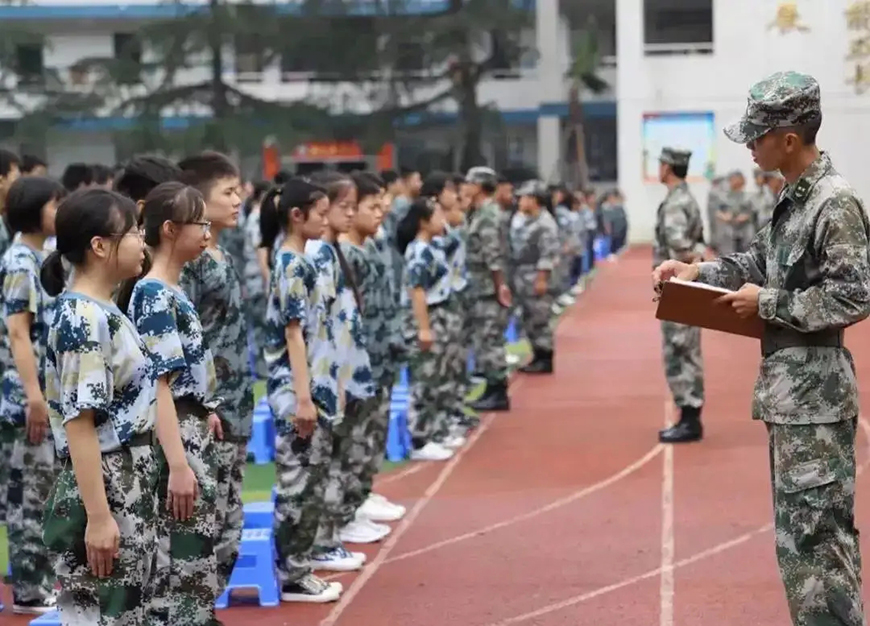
pixel 495 398
pixel 541 363
pixel 688 429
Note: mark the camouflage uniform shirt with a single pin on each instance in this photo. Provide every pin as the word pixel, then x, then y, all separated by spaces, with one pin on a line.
pixel 534 248
pixel 168 323
pixel 812 264
pixel 23 293
pixel 426 268
pixel 214 289
pixel 294 297
pixel 96 361
pixel 486 248
pixel 253 278
pixel 679 230
pixel 382 314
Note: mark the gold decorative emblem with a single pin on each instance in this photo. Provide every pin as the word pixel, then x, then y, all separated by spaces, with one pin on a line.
pixel 787 19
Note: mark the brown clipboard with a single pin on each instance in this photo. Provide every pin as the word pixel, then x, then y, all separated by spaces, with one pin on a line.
pixel 694 304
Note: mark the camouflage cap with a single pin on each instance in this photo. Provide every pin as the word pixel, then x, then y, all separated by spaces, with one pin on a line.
pixel 481 174
pixel 780 100
pixel 675 156
pixel 534 188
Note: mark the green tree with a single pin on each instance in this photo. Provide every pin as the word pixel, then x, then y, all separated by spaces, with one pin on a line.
pixel 584 77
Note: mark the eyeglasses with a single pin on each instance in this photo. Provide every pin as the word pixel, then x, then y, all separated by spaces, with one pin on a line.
pixel 206 226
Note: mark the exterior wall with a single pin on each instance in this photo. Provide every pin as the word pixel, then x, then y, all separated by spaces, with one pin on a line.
pixel 745 50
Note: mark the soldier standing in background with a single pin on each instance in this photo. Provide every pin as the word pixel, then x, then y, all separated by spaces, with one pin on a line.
pixel 741 211
pixel 763 199
pixel 679 235
pixel 715 201
pixel 807 279
pixel 486 258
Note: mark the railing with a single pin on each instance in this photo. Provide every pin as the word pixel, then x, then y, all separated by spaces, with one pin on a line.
pixel 661 49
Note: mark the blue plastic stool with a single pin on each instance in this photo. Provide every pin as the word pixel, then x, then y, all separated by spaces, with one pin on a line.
pixel 255 568
pixel 259 514
pixel 262 442
pixel 601 246
pixel 49 619
pixel 404 378
pixel 274 492
pixel 585 263
pixel 398 436
pixel 471 363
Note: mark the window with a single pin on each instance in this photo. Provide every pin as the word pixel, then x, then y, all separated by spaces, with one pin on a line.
pixel 128 53
pixel 249 57
pixel 678 26
pixel 29 65
pixel 410 56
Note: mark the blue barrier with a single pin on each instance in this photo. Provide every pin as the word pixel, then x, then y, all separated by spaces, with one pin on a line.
pixel 48 619
pixel 601 246
pixel 262 442
pixel 398 435
pixel 259 514
pixel 255 568
pixel 512 332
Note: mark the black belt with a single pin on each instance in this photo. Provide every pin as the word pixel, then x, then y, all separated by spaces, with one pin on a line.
pixel 778 339
pixel 142 440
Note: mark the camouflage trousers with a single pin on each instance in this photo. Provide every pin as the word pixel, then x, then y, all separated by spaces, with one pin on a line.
pixel 379 426
pixel 536 318
pixel 7 439
pixel 301 472
pixel 489 320
pixel 256 314
pixel 130 479
pixel 434 400
pixel 350 449
pixel 813 476
pixel 185 581
pixel 32 473
pixel 463 342
pixel 684 370
pixel 231 458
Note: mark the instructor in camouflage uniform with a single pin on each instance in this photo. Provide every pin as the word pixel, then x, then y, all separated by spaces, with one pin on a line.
pixel 679 235
pixel 807 276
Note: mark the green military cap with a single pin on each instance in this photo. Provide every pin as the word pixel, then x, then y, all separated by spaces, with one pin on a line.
pixel 780 100
pixel 675 156
pixel 481 175
pixel 533 188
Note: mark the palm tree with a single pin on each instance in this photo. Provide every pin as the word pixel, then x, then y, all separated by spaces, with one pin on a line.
pixel 583 74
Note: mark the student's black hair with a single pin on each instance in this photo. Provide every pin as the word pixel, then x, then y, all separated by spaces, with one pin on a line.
pixel 336 184
pixel 282 177
pixel 458 179
pixel 366 185
pixel 298 193
pixel 143 173
pixel 25 200
pixel 168 202
pixel 406 231
pixel 435 183
pixel 205 169
pixel 7 160
pixel 260 189
pixel 102 174
pixel 389 176
pixel 30 162
pixel 83 215
pixel 77 174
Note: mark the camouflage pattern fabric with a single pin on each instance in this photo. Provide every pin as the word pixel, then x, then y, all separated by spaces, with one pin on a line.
pixel 684 368
pixel 215 291
pixel 130 478
pixel 382 317
pixel 781 100
pixel 715 204
pixel 568 248
pixel 376 437
pixel 535 247
pixel 185 580
pixel 432 388
pixel 813 478
pixel 301 470
pixel 739 205
pixel 22 293
pixel 232 240
pixel 255 292
pixel 232 458
pixel 489 320
pixel 763 202
pixel 812 264
pixel 32 472
pixel 7 438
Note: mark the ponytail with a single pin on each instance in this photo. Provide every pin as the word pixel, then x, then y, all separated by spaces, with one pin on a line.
pixel 406 230
pixel 52 275
pixel 270 222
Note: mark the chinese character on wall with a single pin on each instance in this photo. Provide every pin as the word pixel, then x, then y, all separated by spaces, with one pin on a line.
pixel 858 25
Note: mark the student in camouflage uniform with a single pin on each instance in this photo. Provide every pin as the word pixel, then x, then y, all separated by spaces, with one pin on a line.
pixel 142 174
pixel 356 387
pixel 429 320
pixel 486 257
pixel 715 205
pixel 211 281
pixel 763 199
pixel 9 172
pixel 31 205
pixel 302 387
pixel 101 513
pixel 255 280
pixel 368 435
pixel 741 212
pixel 679 235
pixel 185 581
pixel 534 254
pixel 808 278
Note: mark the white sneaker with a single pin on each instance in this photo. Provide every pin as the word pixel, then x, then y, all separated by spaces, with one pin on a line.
pixel 378 528
pixel 512 359
pixel 382 500
pixel 360 556
pixel 336 560
pixel 358 531
pixel 431 452
pixel 310 588
pixel 566 299
pixel 577 289
pixel 454 442
pixel 380 511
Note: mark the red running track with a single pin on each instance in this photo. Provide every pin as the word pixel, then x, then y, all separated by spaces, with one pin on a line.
pixel 566 511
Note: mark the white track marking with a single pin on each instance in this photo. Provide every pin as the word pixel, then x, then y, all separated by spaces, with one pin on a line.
pixel 666 587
